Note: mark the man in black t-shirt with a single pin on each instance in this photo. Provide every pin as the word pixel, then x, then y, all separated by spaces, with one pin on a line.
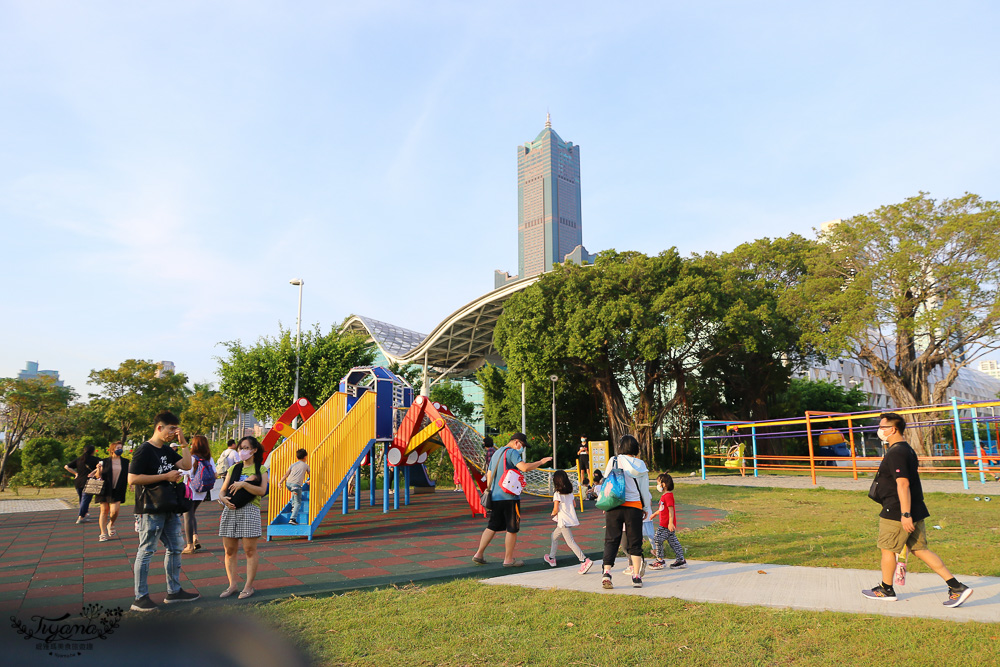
pixel 901 521
pixel 155 463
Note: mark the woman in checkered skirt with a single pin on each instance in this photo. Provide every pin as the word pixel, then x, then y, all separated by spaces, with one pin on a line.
pixel 243 523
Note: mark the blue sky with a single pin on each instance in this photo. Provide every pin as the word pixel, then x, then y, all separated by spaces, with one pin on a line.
pixel 167 167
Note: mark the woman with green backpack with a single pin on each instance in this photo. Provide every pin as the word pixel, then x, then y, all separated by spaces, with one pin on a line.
pixel 626 501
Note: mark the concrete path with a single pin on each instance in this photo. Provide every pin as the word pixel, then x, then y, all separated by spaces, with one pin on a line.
pixel 781 586
pixel 45 505
pixel 990 489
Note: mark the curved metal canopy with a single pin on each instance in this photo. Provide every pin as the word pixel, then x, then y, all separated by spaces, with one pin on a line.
pixel 458 346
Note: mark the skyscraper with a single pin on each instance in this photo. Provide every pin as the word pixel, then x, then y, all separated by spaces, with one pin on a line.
pixel 548 202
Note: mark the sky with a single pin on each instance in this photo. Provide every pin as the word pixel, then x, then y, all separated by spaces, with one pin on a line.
pixel 167 167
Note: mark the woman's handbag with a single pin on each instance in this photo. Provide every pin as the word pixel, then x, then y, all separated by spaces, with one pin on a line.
pixel 613 489
pixel 95 486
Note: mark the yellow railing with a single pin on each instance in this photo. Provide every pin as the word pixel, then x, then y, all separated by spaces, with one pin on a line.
pixel 333 457
pixel 307 437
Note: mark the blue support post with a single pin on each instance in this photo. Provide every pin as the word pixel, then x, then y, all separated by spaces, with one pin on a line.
pixel 395 488
pixel 406 482
pixel 357 488
pixel 979 448
pixel 753 437
pixel 371 480
pixel 701 427
pixel 343 502
pixel 385 479
pixel 961 445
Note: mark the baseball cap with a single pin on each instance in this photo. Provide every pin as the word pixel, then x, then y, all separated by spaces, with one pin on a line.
pixel 520 437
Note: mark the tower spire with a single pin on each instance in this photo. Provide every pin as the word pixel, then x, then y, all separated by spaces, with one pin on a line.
pixel 548 120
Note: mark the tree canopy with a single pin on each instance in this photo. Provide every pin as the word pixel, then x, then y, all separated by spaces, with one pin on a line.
pixel 23 406
pixel 910 291
pixel 261 377
pixel 131 395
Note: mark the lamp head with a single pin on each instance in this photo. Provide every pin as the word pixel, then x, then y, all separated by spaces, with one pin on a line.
pixel 298 282
pixel 554 377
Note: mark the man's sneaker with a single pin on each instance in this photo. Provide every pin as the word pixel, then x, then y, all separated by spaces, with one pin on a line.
pixel 678 564
pixel 956 596
pixel 550 560
pixel 882 593
pixel 585 566
pixel 293 522
pixel 143 604
pixel 180 596
pixel 657 565
pixel 636 582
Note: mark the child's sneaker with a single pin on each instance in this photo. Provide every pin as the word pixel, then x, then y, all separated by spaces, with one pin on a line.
pixel 882 593
pixel 678 564
pixel 628 571
pixel 658 564
pixel 636 582
pixel 550 560
pixel 956 596
pixel 585 566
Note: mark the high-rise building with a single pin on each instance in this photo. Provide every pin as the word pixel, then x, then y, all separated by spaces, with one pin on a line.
pixel 549 223
pixel 990 367
pixel 31 372
pixel 164 367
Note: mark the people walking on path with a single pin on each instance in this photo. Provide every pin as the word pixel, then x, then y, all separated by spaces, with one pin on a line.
pixel 666 531
pixel 155 471
pixel 564 514
pixel 630 514
pixel 294 479
pixel 114 472
pixel 80 468
pixel 201 480
pixel 506 514
pixel 245 483
pixel 901 522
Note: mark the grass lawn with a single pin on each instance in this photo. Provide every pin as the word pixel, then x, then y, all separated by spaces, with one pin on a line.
pixel 466 622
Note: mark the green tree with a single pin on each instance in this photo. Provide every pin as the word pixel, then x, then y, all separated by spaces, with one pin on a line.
pixel 132 394
pixel 821 396
pixel 907 290
pixel 261 377
pixel 449 393
pixel 23 405
pixel 764 346
pixel 636 327
pixel 41 464
pixel 206 411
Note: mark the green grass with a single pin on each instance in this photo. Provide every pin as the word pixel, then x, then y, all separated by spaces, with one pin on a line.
pixel 465 622
pixel 468 623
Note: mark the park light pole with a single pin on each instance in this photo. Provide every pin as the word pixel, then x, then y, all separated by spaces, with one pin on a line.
pixel 554 379
pixel 298 335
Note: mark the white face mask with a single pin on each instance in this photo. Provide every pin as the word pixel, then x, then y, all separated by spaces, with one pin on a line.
pixel 881 434
pixel 246 454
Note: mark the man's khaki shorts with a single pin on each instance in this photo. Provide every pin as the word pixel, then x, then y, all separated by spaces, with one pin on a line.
pixel 892 536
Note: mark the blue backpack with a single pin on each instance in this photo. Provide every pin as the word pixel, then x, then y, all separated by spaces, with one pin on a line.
pixel 203 478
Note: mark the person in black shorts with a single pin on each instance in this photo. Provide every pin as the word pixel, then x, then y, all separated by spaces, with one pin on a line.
pixel 901 521
pixel 506 513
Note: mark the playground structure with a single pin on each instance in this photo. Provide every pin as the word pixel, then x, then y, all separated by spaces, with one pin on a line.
pixel 373 422
pixel 833 440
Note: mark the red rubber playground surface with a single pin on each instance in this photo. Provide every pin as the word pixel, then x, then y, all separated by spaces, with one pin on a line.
pixel 50 565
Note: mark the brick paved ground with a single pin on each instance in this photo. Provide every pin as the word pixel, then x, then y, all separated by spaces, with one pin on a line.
pixel 50 564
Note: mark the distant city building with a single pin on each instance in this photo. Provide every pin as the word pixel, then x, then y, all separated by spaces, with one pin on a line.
pixel 31 372
pixel 549 221
pixel 165 367
pixel 990 367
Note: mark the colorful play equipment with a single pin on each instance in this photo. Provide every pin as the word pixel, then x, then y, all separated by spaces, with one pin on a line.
pixel 373 420
pixel 833 439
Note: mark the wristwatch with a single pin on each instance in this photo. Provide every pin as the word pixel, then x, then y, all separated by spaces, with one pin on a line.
pixel 906 515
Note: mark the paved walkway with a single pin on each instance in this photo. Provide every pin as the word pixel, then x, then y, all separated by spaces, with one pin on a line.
pixel 930 485
pixel 45 505
pixel 49 563
pixel 782 586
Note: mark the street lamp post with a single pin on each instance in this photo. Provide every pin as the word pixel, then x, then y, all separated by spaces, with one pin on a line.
pixel 298 336
pixel 554 379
